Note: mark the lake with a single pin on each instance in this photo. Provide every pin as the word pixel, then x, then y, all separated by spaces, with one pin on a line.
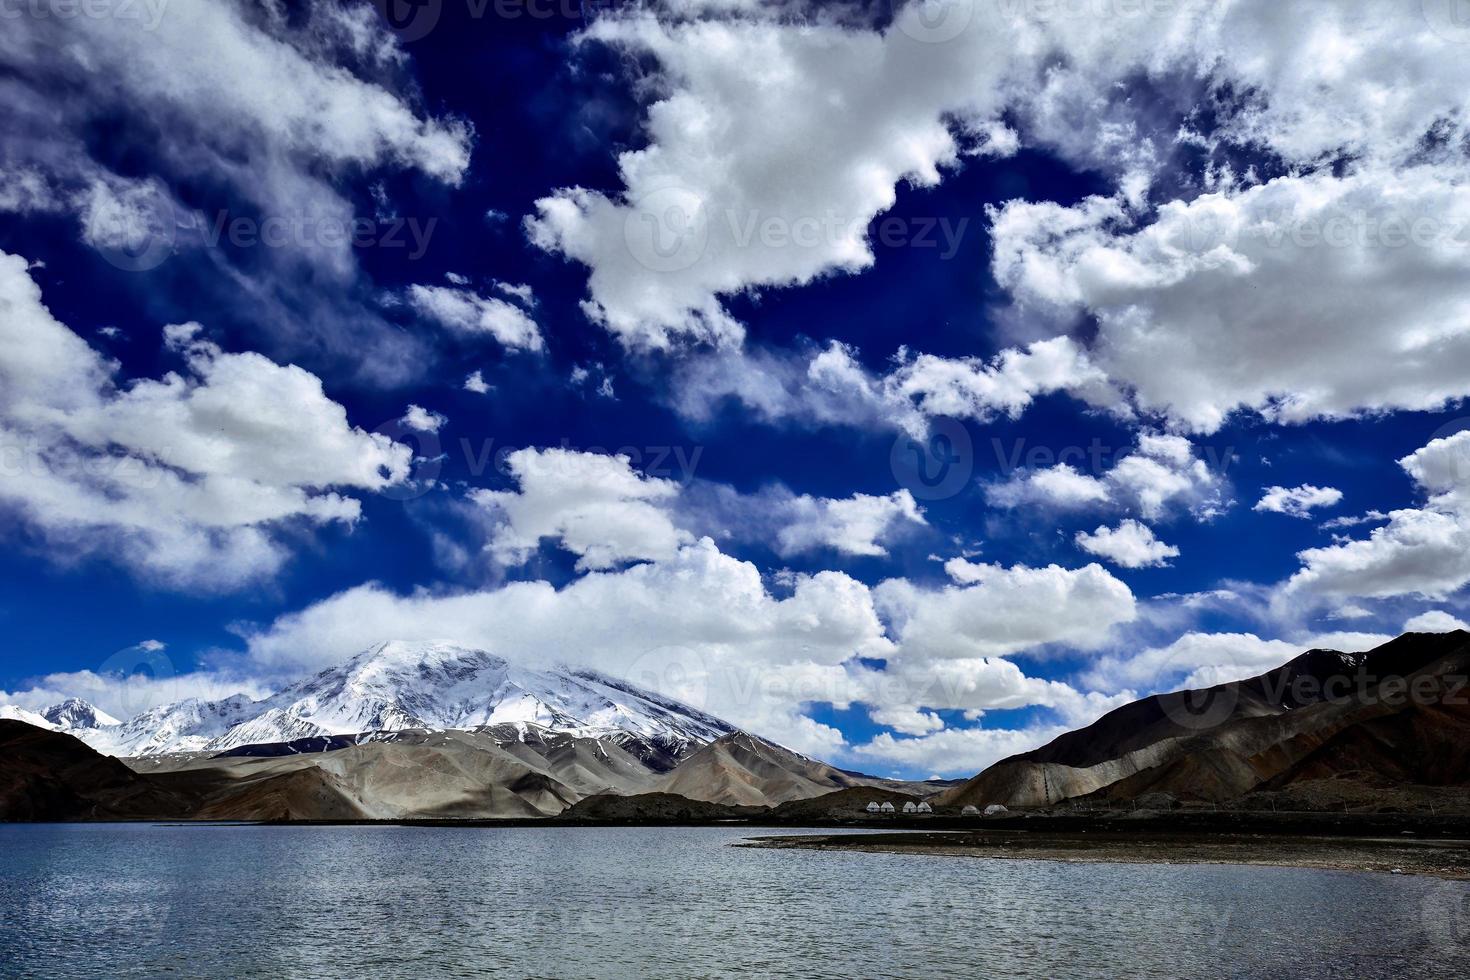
pixel 345 902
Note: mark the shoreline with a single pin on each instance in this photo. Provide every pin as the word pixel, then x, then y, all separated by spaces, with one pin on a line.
pixel 1447 859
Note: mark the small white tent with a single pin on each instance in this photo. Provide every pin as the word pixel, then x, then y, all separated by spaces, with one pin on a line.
pixel 995 809
pixel 873 807
pixel 909 807
pixel 970 811
pixel 886 808
pixel 924 808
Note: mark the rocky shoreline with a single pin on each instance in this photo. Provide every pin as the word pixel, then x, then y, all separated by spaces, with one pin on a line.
pixel 1441 858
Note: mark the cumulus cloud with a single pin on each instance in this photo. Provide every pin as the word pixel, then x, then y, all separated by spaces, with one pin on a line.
pixel 1365 274
pixel 1129 545
pixel 184 478
pixel 1435 621
pixel 955 752
pixel 420 419
pixel 470 315
pixel 1420 551
pixel 597 507
pixel 1162 471
pixel 853 526
pixel 603 510
pixel 739 188
pixel 1000 611
pixel 1298 501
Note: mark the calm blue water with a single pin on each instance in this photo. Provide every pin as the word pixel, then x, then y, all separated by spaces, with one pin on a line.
pixel 141 901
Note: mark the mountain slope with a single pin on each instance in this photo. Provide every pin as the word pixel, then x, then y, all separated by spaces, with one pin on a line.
pixel 49 775
pixel 744 770
pixel 1323 715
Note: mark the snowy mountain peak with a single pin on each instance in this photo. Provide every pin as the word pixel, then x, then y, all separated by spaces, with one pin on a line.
pixel 74 713
pixel 401 685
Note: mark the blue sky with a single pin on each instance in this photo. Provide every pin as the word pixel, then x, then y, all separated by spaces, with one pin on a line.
pixel 974 368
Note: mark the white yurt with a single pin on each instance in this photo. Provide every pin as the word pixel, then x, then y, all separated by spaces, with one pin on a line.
pixel 924 807
pixel 970 811
pixel 886 808
pixel 873 807
pixel 994 809
pixel 909 807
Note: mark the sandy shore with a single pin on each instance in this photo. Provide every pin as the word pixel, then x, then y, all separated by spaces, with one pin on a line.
pixel 1407 855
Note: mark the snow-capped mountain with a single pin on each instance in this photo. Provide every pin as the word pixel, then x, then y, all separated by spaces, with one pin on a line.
pixel 74 713
pixel 10 712
pixel 184 726
pixel 399 685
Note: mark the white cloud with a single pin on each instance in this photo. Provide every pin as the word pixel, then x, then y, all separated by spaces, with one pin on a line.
pixel 713 202
pixel 520 292
pixel 1129 545
pixel 1421 551
pixel 956 752
pixel 853 526
pixel 476 383
pixel 908 721
pixel 597 507
pixel 1298 501
pixel 125 696
pixel 183 478
pixel 420 419
pixel 470 315
pixel 1365 274
pixel 1003 611
pixel 1161 472
pixel 1434 621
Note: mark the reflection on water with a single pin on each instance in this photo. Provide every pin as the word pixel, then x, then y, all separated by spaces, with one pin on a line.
pixel 140 901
